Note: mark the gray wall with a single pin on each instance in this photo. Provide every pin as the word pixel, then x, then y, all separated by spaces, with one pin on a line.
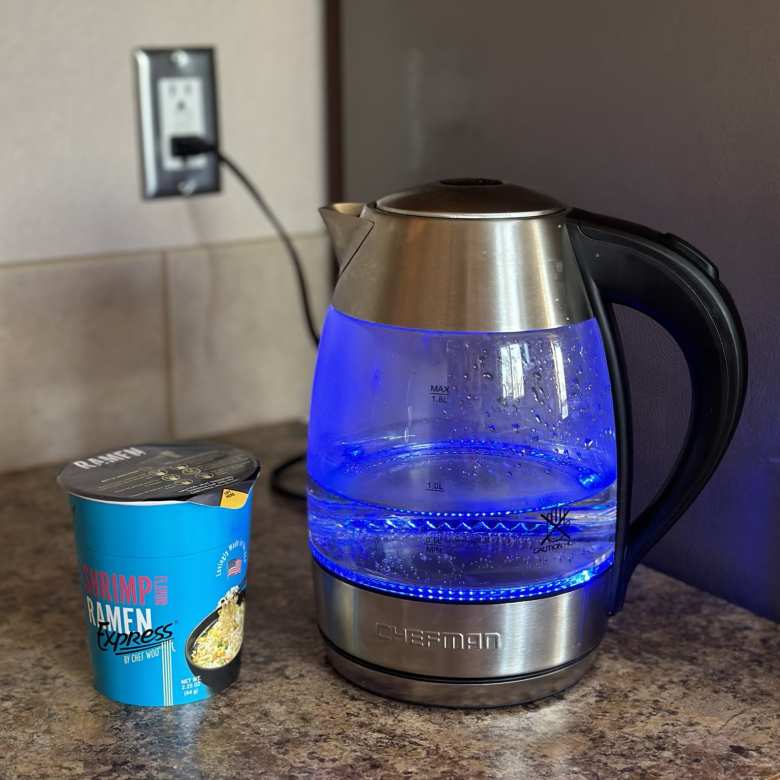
pixel 123 320
pixel 663 113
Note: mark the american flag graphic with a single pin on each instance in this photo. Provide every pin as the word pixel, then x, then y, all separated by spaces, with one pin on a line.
pixel 234 566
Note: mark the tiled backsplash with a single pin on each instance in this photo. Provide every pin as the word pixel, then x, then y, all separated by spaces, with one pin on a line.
pixel 99 352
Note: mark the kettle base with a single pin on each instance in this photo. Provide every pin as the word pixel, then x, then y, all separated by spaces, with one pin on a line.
pixel 460 654
pixel 443 692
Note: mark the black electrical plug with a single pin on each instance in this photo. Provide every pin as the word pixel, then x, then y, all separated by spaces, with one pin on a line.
pixel 190 145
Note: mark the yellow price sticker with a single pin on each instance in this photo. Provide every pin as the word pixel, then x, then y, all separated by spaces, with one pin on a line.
pixel 233 499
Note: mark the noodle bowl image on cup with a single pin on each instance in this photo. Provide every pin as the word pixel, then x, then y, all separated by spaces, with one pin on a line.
pixel 162 538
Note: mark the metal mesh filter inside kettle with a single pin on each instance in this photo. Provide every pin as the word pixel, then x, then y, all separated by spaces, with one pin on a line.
pixel 469 441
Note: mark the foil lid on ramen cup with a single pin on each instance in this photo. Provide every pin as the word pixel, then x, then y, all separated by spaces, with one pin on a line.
pixel 161 472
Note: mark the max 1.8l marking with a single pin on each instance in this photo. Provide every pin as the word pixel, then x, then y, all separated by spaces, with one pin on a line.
pixel 447 640
pixel 440 394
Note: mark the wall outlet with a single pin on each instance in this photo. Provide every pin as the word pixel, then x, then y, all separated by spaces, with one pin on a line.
pixel 176 96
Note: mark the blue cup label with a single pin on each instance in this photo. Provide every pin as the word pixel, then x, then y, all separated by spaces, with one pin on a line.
pixel 165 631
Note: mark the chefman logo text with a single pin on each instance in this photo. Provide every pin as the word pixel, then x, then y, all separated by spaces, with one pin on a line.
pixel 120 608
pixel 448 640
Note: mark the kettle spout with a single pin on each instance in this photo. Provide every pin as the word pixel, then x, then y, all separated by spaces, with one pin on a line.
pixel 348 230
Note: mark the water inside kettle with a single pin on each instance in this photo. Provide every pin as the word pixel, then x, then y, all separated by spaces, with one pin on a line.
pixel 463 467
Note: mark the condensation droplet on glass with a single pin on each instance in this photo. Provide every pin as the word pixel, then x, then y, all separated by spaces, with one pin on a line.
pixel 487 375
pixel 588 443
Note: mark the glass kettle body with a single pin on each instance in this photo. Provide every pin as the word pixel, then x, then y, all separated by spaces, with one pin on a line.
pixel 462 466
pixel 469 441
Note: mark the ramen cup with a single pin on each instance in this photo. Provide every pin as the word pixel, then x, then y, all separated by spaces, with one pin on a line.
pixel 162 539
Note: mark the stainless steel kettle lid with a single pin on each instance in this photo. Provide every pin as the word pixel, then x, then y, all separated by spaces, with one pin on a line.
pixel 470 199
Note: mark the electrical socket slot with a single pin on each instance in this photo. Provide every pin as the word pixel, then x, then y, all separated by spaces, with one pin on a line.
pixel 176 97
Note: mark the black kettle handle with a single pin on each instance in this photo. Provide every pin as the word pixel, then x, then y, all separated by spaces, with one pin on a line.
pixel 669 280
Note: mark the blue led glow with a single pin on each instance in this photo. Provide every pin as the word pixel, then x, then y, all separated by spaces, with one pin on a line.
pixel 427 593
pixel 439 458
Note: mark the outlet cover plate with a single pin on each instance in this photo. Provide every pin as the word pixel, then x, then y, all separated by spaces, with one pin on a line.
pixel 177 95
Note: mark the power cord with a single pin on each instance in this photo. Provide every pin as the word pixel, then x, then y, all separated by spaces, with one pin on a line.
pixel 189 146
pixel 277 477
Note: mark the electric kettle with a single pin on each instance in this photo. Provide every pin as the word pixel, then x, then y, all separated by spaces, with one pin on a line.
pixel 470 445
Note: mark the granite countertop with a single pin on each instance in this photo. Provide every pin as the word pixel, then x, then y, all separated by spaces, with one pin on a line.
pixel 685 686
